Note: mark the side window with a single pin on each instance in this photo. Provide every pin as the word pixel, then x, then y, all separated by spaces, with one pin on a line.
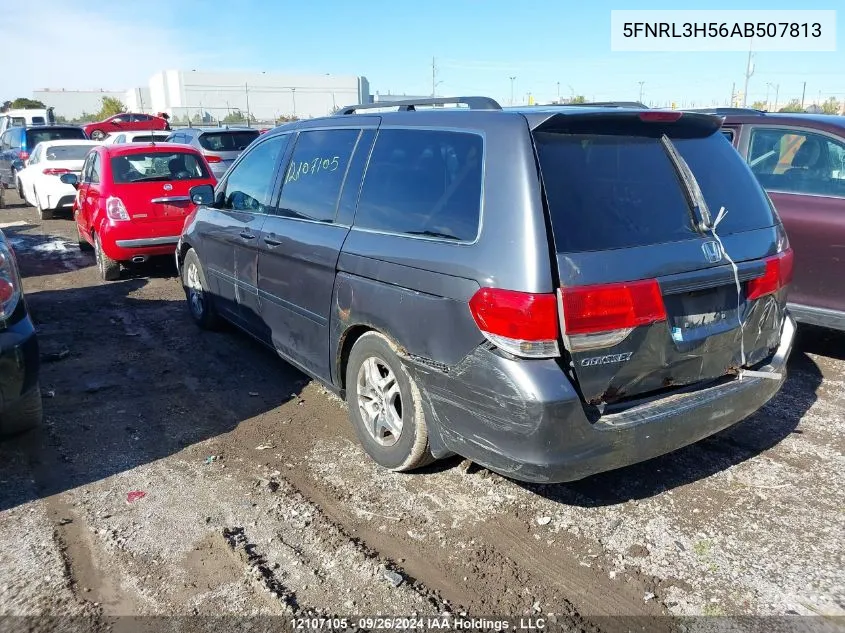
pixel 4 141
pixel 315 174
pixel 140 117
pixel 425 183
pixel 120 119
pixel 250 183
pixel 86 168
pixel 18 135
pixel 121 138
pixel 797 161
pixel 95 169
pixel 729 134
pixel 35 157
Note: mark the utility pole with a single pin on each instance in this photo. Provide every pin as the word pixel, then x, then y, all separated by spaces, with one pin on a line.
pixel 749 70
pixel 733 94
pixel 293 97
pixel 248 117
pixel 803 94
pixel 777 89
pixel 512 80
pixel 558 92
pixel 641 90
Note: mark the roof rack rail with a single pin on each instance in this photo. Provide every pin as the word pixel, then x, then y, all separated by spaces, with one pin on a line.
pixel 474 103
pixel 605 104
pixel 726 110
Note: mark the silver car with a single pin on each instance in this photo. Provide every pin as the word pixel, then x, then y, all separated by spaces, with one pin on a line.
pixel 220 145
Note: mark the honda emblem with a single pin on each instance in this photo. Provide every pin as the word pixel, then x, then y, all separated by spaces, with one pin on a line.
pixel 712 251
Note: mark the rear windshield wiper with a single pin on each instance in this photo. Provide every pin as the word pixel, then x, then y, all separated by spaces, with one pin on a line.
pixel 151 179
pixel 433 234
pixel 701 213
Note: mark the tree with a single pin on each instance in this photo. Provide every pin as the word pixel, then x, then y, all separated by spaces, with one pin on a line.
pixel 831 106
pixel 6 106
pixel 578 99
pixel 110 107
pixel 760 105
pixel 794 105
pixel 23 102
pixel 235 116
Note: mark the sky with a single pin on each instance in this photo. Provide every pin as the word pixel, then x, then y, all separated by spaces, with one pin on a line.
pixel 551 48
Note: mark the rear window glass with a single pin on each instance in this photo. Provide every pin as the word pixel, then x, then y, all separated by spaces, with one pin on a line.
pixel 38 120
pixel 619 191
pixel 148 138
pixel 153 166
pixel 424 183
pixel 34 137
pixel 227 141
pixel 67 152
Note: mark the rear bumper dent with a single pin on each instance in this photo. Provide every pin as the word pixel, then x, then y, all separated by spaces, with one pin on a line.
pixel 524 419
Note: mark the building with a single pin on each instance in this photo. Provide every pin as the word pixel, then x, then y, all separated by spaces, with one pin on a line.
pixel 74 104
pixel 211 96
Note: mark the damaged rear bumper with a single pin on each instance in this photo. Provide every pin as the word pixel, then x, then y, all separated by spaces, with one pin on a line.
pixel 525 420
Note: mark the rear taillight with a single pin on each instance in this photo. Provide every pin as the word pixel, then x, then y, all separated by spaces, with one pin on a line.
pixel 605 314
pixel 778 274
pixel 521 323
pixel 23 155
pixel 55 171
pixel 213 159
pixel 10 281
pixel 115 209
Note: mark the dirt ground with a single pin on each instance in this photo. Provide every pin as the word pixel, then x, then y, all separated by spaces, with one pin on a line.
pixel 181 472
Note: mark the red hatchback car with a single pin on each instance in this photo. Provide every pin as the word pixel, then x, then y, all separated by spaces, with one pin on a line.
pixel 126 122
pixel 132 200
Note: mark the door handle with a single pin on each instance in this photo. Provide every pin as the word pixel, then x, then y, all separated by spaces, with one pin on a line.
pixel 247 236
pixel 270 241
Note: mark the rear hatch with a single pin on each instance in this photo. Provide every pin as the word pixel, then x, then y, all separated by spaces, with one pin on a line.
pixel 226 145
pixel 64 159
pixel 154 186
pixel 656 289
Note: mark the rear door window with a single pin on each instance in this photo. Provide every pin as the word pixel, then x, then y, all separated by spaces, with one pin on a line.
pixel 797 161
pixel 619 191
pixel 315 174
pixel 425 183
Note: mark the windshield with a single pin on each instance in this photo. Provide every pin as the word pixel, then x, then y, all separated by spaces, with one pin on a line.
pixel 36 136
pixel 227 141
pixel 152 166
pixel 618 191
pixel 67 152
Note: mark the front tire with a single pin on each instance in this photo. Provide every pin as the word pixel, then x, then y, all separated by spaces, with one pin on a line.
pixel 24 415
pixel 385 405
pixel 200 303
pixel 109 268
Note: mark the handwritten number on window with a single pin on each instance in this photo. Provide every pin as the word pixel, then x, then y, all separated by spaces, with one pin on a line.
pixel 312 167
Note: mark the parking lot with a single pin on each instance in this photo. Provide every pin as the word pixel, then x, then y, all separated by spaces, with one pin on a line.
pixel 185 472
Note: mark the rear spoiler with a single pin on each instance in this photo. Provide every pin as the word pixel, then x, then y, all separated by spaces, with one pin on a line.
pixel 673 123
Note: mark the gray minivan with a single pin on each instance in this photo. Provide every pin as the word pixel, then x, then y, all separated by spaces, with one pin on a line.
pixel 220 145
pixel 550 292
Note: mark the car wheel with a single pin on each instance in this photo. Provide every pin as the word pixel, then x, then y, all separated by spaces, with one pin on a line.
pixel 200 302
pixel 44 214
pixel 98 135
pixel 24 414
pixel 109 268
pixel 83 243
pixel 17 185
pixel 385 406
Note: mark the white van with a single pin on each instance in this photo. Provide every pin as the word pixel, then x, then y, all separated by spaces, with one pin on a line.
pixel 27 117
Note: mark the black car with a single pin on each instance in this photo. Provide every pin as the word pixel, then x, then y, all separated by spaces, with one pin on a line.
pixel 17 143
pixel 550 292
pixel 20 394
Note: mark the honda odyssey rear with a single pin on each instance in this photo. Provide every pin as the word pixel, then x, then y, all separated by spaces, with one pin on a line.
pixel 550 292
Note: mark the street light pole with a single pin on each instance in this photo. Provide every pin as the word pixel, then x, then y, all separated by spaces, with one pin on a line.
pixel 641 90
pixel 512 80
pixel 293 97
pixel 558 92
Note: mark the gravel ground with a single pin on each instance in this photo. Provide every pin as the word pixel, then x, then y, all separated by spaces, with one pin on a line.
pixel 182 472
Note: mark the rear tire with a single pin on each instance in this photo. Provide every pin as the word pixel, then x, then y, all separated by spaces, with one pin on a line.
pixel 17 184
pixel 98 135
pixel 24 415
pixel 109 268
pixel 385 405
pixel 200 301
pixel 44 214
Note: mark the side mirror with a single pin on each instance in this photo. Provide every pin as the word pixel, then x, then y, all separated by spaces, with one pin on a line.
pixel 202 195
pixel 70 179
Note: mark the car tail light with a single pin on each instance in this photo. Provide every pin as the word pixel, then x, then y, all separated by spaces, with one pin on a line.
pixel 660 117
pixel 213 159
pixel 521 323
pixel 604 315
pixel 23 154
pixel 10 281
pixel 55 171
pixel 778 275
pixel 115 209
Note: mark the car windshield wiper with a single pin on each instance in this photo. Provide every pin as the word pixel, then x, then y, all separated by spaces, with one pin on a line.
pixel 432 234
